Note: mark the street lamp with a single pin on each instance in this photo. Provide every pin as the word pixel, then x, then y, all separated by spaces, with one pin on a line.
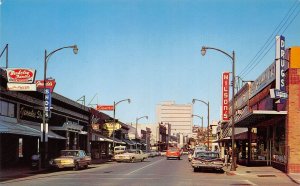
pixel 232 57
pixel 201 117
pixel 207 104
pixel 115 104
pixel 5 49
pixel 136 134
pixel 44 140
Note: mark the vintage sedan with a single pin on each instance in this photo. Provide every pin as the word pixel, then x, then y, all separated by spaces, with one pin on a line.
pixel 173 152
pixel 131 156
pixel 71 158
pixel 207 160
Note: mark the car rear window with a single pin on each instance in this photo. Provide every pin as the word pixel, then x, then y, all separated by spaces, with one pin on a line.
pixel 69 153
pixel 173 149
pixel 207 155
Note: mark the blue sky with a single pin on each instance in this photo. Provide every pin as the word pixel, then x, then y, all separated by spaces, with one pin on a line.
pixel 148 51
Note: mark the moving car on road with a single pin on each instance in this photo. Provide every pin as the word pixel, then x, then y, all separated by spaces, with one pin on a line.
pixel 173 152
pixel 71 158
pixel 207 160
pixel 131 156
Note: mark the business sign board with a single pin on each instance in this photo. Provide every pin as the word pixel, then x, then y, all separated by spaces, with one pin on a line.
pixel 50 83
pixel 280 63
pixel 278 94
pixel 267 77
pixel 225 96
pixel 21 87
pixel 105 107
pixel 20 75
pixel 47 103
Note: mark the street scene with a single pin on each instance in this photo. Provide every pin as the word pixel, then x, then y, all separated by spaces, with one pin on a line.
pixel 162 92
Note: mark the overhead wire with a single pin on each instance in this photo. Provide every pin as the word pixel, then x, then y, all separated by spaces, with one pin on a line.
pixel 267 46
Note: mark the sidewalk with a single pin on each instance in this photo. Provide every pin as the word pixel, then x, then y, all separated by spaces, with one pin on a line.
pixel 264 171
pixel 24 171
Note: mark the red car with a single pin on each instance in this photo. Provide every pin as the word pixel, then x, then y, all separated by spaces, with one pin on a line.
pixel 173 152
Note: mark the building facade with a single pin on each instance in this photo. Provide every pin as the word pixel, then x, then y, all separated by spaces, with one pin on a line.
pixel 178 116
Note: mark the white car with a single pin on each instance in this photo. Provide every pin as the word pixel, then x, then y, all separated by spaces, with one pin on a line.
pixel 131 156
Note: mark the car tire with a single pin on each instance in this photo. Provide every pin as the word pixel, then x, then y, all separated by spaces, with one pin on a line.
pixel 86 166
pixel 76 168
pixel 132 160
pixel 178 158
pixel 195 169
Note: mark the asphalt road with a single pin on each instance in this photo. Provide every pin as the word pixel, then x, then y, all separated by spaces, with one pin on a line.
pixel 154 171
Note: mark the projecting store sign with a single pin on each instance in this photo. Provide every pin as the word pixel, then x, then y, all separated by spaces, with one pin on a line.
pixel 225 96
pixel 280 63
pixel 20 75
pixel 50 83
pixel 47 102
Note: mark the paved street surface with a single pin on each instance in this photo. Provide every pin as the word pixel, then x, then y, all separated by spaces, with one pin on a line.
pixel 155 171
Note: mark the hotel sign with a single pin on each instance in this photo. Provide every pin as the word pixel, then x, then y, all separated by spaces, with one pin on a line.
pixel 20 75
pixel 225 96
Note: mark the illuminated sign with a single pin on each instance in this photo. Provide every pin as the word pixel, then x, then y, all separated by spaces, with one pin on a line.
pixel 105 107
pixel 280 63
pixel 20 75
pixel 50 83
pixel 225 96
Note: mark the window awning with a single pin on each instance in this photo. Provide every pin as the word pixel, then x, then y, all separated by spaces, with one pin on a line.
pixel 257 116
pixel 25 129
pixel 99 137
pixel 129 142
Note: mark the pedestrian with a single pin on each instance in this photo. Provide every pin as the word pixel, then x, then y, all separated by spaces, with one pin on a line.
pixel 229 154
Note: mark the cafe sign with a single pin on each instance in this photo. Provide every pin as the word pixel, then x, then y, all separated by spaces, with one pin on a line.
pixel 50 84
pixel 20 75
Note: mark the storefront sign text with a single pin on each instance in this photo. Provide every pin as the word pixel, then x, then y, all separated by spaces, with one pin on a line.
pixel 49 84
pixel 21 87
pixel 225 96
pixel 280 63
pixel 20 75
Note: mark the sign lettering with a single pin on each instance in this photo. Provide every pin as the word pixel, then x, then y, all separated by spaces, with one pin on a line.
pixel 225 96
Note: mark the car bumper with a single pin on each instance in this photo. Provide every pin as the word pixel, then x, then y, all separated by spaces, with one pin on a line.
pixel 208 166
pixel 63 165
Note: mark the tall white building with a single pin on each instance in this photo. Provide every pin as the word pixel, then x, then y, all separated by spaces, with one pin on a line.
pixel 178 116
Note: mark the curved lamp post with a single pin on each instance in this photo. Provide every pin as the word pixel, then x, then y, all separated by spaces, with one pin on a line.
pixel 115 104
pixel 201 117
pixel 232 57
pixel 44 140
pixel 207 104
pixel 136 122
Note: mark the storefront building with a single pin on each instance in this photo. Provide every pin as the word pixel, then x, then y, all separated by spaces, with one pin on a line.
pixel 21 114
pixel 272 122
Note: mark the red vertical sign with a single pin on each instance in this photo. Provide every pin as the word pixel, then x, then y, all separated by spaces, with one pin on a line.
pixel 225 96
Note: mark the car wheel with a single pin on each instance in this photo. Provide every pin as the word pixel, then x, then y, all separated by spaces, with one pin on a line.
pixel 195 169
pixel 76 167
pixel 132 160
pixel 86 166
pixel 178 158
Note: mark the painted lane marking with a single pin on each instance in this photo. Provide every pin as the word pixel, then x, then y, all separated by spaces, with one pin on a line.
pixel 144 167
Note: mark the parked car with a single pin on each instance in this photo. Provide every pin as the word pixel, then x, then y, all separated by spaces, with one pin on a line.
pixel 207 160
pixel 71 158
pixel 163 153
pixel 131 156
pixel 173 152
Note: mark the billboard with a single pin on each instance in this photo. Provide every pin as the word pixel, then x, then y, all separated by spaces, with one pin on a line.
pixel 225 96
pixel 20 75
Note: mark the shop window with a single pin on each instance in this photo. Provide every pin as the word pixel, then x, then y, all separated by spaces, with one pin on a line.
pixel 279 144
pixel 7 109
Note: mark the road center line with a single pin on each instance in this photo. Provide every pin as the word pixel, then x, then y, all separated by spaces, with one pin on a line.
pixel 144 167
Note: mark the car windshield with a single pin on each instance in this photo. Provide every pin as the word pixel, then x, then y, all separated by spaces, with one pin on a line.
pixel 207 155
pixel 69 153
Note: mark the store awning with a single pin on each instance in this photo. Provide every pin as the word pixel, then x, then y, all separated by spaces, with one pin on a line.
pixel 128 142
pixel 99 137
pixel 70 126
pixel 25 129
pixel 255 117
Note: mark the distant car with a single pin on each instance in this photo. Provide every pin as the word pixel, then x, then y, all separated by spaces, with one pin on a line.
pixel 163 153
pixel 131 156
pixel 207 160
pixel 71 158
pixel 173 152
